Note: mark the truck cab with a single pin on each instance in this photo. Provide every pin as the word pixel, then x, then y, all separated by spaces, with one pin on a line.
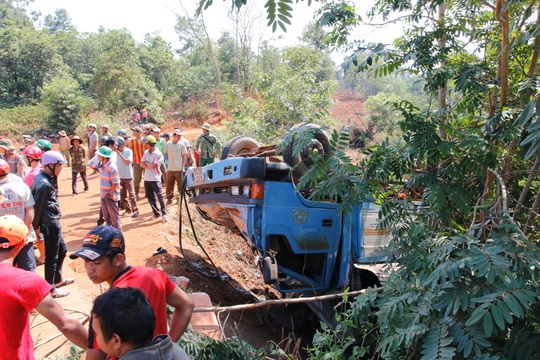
pixel 307 247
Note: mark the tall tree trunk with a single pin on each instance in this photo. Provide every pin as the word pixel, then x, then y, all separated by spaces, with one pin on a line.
pixel 441 96
pixel 208 47
pixel 502 76
pixel 530 74
pixel 527 187
pixel 533 214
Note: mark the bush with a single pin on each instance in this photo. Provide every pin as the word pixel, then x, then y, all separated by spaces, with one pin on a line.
pixel 65 102
pixel 23 119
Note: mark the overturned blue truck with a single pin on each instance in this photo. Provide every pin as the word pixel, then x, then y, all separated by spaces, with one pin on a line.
pixel 307 248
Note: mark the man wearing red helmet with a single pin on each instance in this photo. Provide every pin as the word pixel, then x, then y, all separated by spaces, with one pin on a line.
pixel 16 199
pixel 23 290
pixel 33 159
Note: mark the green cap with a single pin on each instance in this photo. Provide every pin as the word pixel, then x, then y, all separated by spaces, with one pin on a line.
pixel 43 144
pixel 105 151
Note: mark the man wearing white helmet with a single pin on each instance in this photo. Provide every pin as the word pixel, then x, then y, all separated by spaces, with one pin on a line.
pixel 47 221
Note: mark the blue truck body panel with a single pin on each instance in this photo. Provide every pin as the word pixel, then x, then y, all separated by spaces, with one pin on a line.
pixel 313 244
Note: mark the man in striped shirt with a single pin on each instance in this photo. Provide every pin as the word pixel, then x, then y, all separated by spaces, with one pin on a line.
pixel 138 149
pixel 109 185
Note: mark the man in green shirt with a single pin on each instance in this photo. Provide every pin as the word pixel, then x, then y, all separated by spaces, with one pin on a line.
pixel 207 146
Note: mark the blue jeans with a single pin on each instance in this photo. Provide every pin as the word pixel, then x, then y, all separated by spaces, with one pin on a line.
pixel 26 259
pixel 153 190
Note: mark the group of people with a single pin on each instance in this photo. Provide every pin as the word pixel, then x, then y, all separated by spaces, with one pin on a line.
pixel 123 162
pixel 129 321
pixel 28 190
pixel 30 215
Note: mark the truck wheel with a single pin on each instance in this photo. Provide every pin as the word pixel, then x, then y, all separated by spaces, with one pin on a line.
pixel 362 279
pixel 303 161
pixel 239 145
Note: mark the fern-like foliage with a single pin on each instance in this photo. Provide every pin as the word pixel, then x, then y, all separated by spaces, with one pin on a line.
pixel 278 12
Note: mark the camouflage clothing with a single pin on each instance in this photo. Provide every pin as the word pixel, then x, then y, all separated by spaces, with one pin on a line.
pixel 78 159
pixel 206 145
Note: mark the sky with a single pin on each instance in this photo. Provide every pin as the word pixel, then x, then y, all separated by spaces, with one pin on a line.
pixel 143 17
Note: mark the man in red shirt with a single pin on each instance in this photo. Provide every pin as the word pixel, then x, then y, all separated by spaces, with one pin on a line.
pixel 105 261
pixel 138 149
pixel 22 291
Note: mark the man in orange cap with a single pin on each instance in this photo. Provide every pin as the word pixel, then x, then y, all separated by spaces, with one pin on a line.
pixel 23 290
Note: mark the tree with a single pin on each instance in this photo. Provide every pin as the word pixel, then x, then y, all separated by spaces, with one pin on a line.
pixel 12 13
pixel 247 36
pixel 467 281
pixel 227 57
pixel 194 29
pixel 80 53
pixel 297 89
pixel 119 82
pixel 28 59
pixel 315 37
pixel 60 21
pixel 160 66
pixel 66 102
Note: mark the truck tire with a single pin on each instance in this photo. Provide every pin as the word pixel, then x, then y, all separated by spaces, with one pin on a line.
pixel 239 145
pixel 303 161
pixel 362 279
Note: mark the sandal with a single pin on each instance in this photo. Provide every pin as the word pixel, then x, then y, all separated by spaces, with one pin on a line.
pixel 39 262
pixel 160 250
pixel 64 282
pixel 58 293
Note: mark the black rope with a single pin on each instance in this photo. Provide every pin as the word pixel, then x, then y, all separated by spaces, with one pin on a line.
pixel 183 197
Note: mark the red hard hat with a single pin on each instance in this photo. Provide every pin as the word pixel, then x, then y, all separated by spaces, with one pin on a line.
pixel 33 151
pixel 4 167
